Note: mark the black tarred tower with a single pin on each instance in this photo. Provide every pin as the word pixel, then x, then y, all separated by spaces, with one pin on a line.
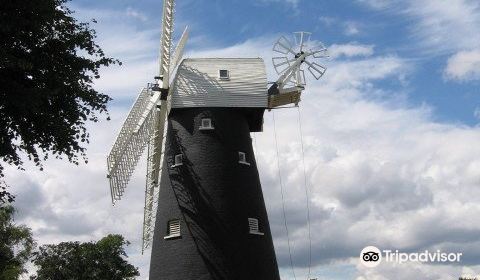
pixel 211 220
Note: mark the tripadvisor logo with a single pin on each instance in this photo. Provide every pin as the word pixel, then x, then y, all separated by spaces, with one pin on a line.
pixel 371 256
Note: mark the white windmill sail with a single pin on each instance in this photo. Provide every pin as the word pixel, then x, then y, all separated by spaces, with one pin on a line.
pixel 152 187
pixel 166 39
pixel 178 54
pixel 130 143
pixel 156 142
pixel 145 125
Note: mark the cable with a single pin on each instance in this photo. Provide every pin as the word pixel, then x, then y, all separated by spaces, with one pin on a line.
pixel 283 198
pixel 306 195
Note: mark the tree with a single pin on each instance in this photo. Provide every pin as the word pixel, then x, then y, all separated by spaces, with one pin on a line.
pixel 5 196
pixel 102 260
pixel 48 62
pixel 16 245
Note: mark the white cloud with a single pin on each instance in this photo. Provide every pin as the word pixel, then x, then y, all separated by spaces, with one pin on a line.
pixel 124 82
pixel 441 28
pixel 293 2
pixel 351 28
pixel 328 21
pixel 136 14
pixel 119 34
pixel 446 27
pixel 464 65
pixel 350 50
pixel 121 39
pixel 290 2
pixel 380 173
pixel 410 271
pixel 376 4
pixel 476 113
pixel 437 26
pixel 361 73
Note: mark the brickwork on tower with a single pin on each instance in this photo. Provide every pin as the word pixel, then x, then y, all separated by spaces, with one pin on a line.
pixel 213 196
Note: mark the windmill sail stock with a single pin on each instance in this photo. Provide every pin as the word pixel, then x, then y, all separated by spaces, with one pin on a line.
pixel 145 126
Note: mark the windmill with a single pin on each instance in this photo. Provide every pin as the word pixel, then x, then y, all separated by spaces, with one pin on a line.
pixel 204 213
pixel 289 61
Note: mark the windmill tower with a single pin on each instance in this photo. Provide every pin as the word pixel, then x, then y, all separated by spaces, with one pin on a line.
pixel 205 216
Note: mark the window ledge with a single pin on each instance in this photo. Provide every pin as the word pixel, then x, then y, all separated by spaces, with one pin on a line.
pixel 206 128
pixel 177 165
pixel 174 236
pixel 244 163
pixel 256 233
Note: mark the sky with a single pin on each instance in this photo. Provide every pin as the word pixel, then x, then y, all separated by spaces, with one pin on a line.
pixel 389 132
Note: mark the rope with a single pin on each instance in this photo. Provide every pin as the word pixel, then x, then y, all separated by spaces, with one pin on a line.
pixel 306 196
pixel 283 198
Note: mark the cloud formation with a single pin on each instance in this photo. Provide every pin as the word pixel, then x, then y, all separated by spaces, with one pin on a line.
pixel 464 66
pixel 440 28
pixel 351 28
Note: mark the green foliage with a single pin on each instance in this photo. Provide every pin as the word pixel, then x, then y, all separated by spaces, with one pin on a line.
pixel 16 245
pixel 102 260
pixel 48 62
pixel 5 196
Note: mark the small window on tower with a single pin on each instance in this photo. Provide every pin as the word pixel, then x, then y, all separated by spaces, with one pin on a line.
pixel 206 124
pixel 253 226
pixel 173 229
pixel 242 158
pixel 224 74
pixel 178 160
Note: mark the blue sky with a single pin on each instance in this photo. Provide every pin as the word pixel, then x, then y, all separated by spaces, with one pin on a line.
pixel 390 26
pixel 390 131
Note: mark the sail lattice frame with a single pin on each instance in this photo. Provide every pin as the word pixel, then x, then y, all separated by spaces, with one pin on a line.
pixel 152 190
pixel 131 142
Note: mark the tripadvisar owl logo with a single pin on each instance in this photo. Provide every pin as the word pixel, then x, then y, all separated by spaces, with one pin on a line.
pixel 370 256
